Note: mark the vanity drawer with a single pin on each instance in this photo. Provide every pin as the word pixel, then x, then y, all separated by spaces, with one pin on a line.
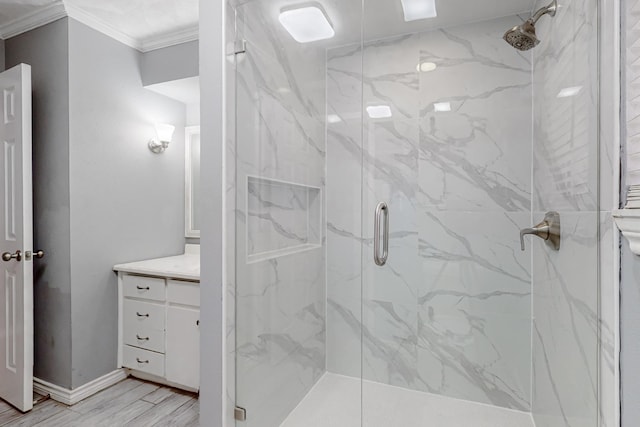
pixel 143 316
pixel 143 287
pixel 144 336
pixel 185 293
pixel 143 360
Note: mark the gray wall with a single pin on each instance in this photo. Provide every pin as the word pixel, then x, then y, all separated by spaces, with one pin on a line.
pixel 46 50
pixel 127 203
pixel 100 196
pixel 171 63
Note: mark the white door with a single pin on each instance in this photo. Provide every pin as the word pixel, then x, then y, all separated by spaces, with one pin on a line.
pixel 16 240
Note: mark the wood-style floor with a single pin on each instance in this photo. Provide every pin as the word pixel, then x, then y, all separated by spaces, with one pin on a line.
pixel 131 402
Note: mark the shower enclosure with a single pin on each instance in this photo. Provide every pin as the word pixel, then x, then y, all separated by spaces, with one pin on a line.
pixel 385 155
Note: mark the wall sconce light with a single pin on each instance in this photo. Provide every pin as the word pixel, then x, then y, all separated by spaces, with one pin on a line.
pixel 164 134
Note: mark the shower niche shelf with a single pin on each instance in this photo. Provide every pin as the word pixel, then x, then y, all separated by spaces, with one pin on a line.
pixel 283 218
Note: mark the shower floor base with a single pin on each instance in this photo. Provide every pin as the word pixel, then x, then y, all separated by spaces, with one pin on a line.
pixel 335 402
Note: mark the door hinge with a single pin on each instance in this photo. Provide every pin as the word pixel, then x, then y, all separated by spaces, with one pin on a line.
pixel 240 414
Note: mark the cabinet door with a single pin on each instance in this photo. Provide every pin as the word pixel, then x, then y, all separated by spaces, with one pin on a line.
pixel 183 346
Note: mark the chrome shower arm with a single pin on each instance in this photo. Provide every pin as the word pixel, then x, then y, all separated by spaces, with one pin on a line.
pixel 550 10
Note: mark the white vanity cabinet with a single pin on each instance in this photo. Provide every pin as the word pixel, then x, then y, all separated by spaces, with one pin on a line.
pixel 159 319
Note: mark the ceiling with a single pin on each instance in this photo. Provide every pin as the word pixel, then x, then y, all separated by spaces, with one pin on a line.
pixel 11 10
pixel 151 24
pixel 379 19
pixel 142 19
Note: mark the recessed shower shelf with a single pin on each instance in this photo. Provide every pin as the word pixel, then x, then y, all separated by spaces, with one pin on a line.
pixel 281 253
pixel 628 221
pixel 283 218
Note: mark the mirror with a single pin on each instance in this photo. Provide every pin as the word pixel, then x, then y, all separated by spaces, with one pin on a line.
pixel 192 181
pixel 187 92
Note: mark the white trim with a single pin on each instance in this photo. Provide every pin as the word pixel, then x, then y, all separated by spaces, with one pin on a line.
pixel 71 397
pixel 101 26
pixel 190 231
pixel 170 39
pixel 59 10
pixel 33 20
pixel 628 221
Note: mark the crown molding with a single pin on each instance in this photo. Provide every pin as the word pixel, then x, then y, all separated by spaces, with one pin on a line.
pixel 101 26
pixel 170 39
pixel 33 20
pixel 628 221
pixel 61 9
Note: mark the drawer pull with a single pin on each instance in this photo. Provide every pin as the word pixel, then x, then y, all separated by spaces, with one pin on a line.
pixel 142 338
pixel 141 361
pixel 142 315
pixel 143 288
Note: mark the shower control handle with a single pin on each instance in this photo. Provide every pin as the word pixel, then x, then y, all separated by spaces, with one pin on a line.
pixel 381 219
pixel 548 230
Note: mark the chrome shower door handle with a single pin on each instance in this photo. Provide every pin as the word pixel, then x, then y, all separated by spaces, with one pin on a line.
pixel 382 210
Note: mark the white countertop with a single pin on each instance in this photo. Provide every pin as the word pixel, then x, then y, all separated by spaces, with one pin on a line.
pixel 185 266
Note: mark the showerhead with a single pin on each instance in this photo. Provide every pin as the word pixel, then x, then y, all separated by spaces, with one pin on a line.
pixel 523 36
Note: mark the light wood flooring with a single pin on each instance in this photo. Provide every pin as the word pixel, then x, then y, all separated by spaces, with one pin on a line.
pixel 131 402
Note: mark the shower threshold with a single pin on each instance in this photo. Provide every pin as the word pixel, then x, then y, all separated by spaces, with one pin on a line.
pixel 335 401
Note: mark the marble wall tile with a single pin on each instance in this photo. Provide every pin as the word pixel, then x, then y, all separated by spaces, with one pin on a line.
pixel 229 258
pixel 609 321
pixel 280 299
pixel 475 307
pixel 565 345
pixel 450 311
pixel 566 151
pixel 568 285
pixel 344 211
pixel 476 156
pixel 281 216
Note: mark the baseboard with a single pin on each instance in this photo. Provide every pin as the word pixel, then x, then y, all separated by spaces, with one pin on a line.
pixel 71 397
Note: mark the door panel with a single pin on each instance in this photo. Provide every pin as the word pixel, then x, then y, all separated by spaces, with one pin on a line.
pixel 16 217
pixel 183 346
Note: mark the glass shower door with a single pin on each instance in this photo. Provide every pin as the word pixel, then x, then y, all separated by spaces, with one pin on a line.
pixel 467 141
pixel 297 245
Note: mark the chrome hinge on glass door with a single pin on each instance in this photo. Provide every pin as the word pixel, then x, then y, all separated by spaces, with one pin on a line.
pixel 240 46
pixel 236 47
pixel 381 210
pixel 240 414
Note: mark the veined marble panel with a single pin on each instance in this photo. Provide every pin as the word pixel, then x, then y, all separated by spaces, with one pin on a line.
pixel 229 255
pixel 609 321
pixel 565 87
pixel 281 216
pixel 566 161
pixel 344 211
pixel 475 307
pixel 450 312
pixel 477 155
pixel 565 333
pixel 280 310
